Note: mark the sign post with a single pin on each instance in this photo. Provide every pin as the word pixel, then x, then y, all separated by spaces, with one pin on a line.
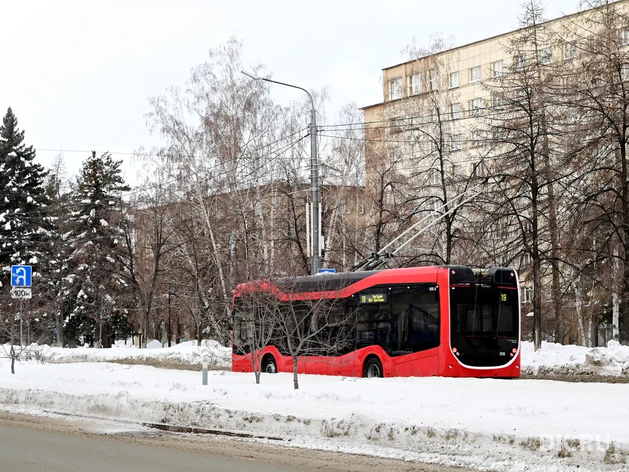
pixel 21 281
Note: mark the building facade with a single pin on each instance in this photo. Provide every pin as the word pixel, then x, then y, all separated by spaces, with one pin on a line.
pixel 447 125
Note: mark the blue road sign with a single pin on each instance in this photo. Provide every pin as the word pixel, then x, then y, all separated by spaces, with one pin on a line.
pixel 327 271
pixel 21 276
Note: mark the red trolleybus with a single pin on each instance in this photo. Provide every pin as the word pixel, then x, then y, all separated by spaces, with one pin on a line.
pixel 422 321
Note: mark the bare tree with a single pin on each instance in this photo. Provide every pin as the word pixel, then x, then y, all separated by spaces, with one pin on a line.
pixel 21 330
pixel 256 319
pixel 600 103
pixel 520 129
pixel 145 266
pixel 311 326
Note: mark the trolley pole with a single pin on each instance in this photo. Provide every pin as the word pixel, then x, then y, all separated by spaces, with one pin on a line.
pixel 314 174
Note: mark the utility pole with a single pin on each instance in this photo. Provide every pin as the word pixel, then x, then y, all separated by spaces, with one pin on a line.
pixel 314 175
pixel 314 181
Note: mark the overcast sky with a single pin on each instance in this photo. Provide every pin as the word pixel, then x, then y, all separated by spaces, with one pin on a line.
pixel 78 74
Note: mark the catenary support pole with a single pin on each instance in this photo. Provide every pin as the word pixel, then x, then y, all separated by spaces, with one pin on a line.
pixel 314 180
pixel 314 173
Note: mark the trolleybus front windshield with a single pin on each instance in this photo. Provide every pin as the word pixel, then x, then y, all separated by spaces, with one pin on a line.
pixel 484 324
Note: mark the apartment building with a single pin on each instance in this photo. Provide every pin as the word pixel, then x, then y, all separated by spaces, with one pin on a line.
pixel 430 122
pixel 456 84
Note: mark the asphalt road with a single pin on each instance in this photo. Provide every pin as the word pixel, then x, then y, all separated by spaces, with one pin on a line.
pixel 28 450
pixel 43 444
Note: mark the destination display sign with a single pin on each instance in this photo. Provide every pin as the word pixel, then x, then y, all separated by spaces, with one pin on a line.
pixel 373 298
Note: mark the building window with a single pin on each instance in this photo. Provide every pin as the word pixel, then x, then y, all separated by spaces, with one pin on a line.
pixel 395 88
pixel 453 80
pixel 477 169
pixel 456 142
pixel 455 111
pixel 476 107
pixel 457 171
pixel 433 115
pixel 477 138
pixel 569 82
pixel 416 150
pixel 497 68
pixel 526 294
pixel 498 102
pixel 433 79
pixel 623 36
pixel 475 74
pixel 569 51
pixel 414 84
pixel 545 56
pixel 624 73
pixel 435 179
pixel 519 62
pixel 397 124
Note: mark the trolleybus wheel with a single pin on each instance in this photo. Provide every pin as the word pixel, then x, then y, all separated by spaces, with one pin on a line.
pixel 269 366
pixel 373 368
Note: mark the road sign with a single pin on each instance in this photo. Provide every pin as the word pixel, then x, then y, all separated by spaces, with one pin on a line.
pixel 21 276
pixel 327 271
pixel 22 293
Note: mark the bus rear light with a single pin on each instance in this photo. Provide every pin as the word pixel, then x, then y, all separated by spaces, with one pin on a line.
pixel 450 366
pixel 517 366
pixel 454 349
pixel 511 354
pixel 514 350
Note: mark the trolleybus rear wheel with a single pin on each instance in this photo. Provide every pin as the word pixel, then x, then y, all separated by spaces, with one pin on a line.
pixel 373 368
pixel 269 366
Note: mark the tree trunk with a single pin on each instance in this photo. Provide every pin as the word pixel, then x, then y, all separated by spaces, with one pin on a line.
pixel 59 328
pixel 579 310
pixel 537 303
pixel 12 356
pixel 295 380
pixel 624 304
pixel 615 315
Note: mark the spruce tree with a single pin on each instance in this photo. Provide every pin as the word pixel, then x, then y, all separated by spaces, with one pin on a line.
pixel 25 226
pixel 93 269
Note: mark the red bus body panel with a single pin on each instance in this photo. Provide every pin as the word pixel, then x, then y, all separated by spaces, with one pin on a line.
pixel 438 361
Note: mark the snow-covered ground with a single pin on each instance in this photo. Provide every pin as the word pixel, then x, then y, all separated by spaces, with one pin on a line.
pixel 551 359
pixel 488 424
pixel 186 353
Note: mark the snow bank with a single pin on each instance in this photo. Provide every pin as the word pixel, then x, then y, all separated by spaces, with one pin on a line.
pixel 612 360
pixel 187 353
pixel 487 424
pixel 573 360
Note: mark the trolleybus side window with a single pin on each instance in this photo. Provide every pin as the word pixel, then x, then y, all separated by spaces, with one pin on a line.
pixel 415 319
pixel 400 319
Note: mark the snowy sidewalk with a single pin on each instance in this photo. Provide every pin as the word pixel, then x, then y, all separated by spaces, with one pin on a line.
pixel 488 424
